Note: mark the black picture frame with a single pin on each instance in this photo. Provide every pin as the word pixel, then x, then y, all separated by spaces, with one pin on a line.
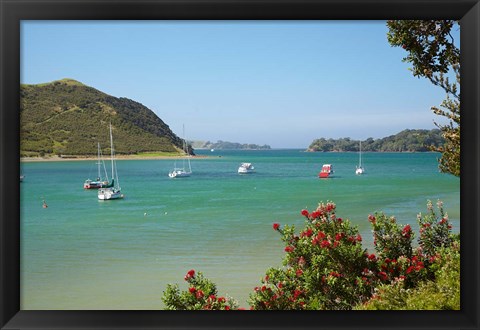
pixel 13 11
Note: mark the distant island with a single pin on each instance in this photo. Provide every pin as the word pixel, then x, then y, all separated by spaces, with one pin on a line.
pixel 409 140
pixel 227 145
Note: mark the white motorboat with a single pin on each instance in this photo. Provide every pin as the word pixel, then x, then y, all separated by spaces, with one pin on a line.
pixel 246 168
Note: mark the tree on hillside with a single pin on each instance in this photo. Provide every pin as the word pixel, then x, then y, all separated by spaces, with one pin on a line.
pixel 433 54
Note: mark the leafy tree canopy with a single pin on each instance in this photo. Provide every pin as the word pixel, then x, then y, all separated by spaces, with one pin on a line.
pixel 432 51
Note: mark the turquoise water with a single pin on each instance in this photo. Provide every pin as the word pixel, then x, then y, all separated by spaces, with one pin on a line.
pixel 82 253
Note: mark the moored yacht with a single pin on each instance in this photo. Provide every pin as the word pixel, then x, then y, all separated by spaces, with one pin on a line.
pixel 246 168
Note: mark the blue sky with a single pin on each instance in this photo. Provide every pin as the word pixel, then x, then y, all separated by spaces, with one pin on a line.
pixel 282 83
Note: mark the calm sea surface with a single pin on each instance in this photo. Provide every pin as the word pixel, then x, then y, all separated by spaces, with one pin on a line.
pixel 82 253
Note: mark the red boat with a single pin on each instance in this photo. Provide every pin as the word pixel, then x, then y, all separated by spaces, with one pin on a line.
pixel 327 171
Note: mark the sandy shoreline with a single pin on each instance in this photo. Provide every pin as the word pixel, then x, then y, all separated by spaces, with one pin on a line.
pixel 92 158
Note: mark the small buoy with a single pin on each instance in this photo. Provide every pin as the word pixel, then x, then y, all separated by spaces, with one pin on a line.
pixel 145 214
pixel 166 213
pixel 45 205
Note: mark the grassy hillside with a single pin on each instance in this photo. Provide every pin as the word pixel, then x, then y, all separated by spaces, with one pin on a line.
pixel 66 117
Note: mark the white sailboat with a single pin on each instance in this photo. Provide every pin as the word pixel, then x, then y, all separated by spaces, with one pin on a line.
pixel 101 181
pixel 360 169
pixel 113 192
pixel 182 172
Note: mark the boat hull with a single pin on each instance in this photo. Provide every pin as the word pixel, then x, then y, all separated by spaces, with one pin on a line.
pixel 244 171
pixel 108 194
pixel 95 184
pixel 326 172
pixel 179 174
pixel 246 168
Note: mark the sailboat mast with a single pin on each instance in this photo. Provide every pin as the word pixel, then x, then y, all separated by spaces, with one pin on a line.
pixel 360 153
pixel 98 159
pixel 185 149
pixel 111 149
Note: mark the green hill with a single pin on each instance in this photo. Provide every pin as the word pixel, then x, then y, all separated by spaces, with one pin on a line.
pixel 409 140
pixel 66 117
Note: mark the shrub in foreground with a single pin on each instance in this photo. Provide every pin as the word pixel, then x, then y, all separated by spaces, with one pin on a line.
pixel 326 268
pixel 441 294
pixel 200 295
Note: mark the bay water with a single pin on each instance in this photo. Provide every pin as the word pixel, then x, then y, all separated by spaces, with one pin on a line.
pixel 84 254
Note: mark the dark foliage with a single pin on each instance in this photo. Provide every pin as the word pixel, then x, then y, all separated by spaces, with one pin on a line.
pixel 409 140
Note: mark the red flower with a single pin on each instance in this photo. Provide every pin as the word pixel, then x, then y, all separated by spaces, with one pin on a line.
pixel 383 276
pixel 192 289
pixel 409 269
pixel 189 275
pixel 289 249
pixel 221 299
pixel 307 233
pixel 371 218
pixel 301 261
pixel 320 235
pixel 325 243
pixel 227 308
pixel 296 293
pixel 315 214
pixel 371 257
pixel 305 213
pixel 359 238
pixel 330 207
pixel 339 236
pixel 199 294
pixel 339 220
pixel 299 272
pixel 419 266
pixel 276 226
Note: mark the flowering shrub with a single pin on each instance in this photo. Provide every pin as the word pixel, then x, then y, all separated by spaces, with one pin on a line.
pixel 434 229
pixel 326 266
pixel 393 244
pixel 441 294
pixel 201 295
pixel 390 240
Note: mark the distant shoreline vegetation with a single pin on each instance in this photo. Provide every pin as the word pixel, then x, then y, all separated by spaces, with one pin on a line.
pixel 224 145
pixel 409 140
